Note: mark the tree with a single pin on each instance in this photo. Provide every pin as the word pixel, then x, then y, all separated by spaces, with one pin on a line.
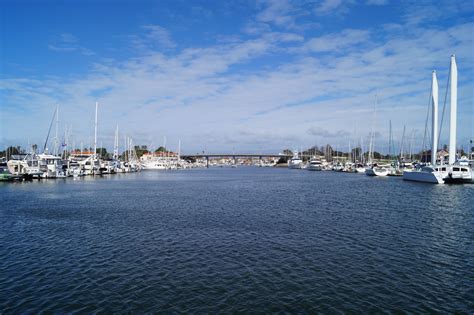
pixel 161 149
pixel 284 159
pixel 140 150
pixel 102 152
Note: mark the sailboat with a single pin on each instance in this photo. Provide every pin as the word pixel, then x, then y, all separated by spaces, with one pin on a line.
pixel 455 171
pixel 431 173
pixel 373 169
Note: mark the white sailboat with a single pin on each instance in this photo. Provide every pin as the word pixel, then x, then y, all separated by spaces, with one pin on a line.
pixel 431 173
pixel 373 169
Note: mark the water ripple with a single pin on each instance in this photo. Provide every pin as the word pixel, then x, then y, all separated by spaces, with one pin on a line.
pixel 236 241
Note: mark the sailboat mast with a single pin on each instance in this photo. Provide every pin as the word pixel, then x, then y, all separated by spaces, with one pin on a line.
pixel 56 140
pixel 116 143
pixel 390 140
pixel 453 108
pixel 434 121
pixel 372 134
pixel 402 144
pixel 179 149
pixel 95 128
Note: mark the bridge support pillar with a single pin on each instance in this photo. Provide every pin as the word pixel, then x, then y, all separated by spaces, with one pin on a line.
pixel 207 161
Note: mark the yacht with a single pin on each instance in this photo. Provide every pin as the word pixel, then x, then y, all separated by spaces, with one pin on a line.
pixel 314 165
pixel 295 162
pixel 458 174
pixel 51 166
pixel 24 165
pixel 375 170
pixel 86 162
pixel 359 168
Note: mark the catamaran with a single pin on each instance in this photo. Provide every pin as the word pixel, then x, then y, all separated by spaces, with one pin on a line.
pixel 430 173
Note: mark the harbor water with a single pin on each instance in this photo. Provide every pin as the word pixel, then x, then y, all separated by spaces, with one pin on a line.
pixel 236 240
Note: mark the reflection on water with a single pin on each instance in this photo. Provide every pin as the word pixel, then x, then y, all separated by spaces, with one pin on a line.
pixel 236 240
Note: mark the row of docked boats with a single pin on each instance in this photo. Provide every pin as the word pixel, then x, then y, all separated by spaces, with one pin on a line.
pixel 457 169
pixel 459 172
pixel 45 165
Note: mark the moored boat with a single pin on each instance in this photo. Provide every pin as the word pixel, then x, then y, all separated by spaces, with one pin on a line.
pixel 295 162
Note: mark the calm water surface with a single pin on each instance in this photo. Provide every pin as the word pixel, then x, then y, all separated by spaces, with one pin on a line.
pixel 236 240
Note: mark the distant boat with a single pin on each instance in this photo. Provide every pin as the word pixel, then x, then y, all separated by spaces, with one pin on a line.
pixel 51 166
pixel 24 165
pixel 295 162
pixel 314 165
pixel 372 169
pixel 376 171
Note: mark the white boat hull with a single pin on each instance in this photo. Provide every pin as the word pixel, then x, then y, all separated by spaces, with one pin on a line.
pixel 314 168
pixel 424 177
pixel 376 172
pixel 294 166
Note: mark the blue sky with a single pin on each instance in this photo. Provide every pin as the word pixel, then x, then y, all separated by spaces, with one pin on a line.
pixel 253 76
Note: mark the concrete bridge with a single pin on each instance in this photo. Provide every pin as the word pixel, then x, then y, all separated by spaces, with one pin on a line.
pixel 231 156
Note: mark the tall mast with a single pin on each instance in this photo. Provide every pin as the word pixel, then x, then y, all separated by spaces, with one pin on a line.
pixel 372 135
pixel 56 140
pixel 95 129
pixel 116 143
pixel 390 140
pixel 179 149
pixel 402 144
pixel 453 114
pixel 434 121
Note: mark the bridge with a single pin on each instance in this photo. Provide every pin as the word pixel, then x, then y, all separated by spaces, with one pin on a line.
pixel 231 156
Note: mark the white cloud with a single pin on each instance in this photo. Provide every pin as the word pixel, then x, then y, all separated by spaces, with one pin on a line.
pixel 327 6
pixel 226 95
pixel 68 43
pixel 338 41
pixel 377 2
pixel 278 12
pixel 160 35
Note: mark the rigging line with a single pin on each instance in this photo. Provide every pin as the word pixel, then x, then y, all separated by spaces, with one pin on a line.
pixel 426 123
pixel 444 105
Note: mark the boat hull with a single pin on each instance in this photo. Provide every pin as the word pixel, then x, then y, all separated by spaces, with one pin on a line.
pixel 376 172
pixel 314 168
pixel 424 177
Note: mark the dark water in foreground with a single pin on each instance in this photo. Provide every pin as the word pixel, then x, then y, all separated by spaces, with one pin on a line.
pixel 236 240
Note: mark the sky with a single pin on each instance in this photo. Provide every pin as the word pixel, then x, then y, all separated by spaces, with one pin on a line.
pixel 232 76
